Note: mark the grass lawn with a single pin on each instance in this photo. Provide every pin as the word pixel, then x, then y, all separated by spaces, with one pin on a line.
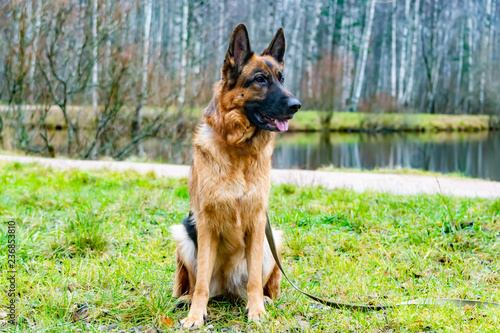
pixel 374 122
pixel 94 252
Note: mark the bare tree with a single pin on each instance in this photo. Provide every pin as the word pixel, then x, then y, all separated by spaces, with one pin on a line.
pixel 36 32
pixel 393 50
pixel 404 47
pixel 184 43
pixel 487 31
pixel 94 56
pixel 312 51
pixel 416 31
pixel 143 88
pixel 360 72
pixel 470 61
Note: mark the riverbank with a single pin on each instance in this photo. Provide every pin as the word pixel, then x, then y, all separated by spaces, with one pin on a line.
pixel 392 122
pixel 314 121
pixel 94 254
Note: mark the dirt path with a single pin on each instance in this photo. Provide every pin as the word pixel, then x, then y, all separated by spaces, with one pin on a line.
pixel 357 181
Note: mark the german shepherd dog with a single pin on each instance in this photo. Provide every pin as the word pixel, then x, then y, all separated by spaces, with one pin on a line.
pixel 221 247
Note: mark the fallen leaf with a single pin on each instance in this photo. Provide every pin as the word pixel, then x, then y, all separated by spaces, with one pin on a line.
pixel 167 321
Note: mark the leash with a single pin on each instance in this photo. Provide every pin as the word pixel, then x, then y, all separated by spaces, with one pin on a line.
pixel 361 307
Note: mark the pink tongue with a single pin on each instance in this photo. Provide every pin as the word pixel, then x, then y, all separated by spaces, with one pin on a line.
pixel 282 125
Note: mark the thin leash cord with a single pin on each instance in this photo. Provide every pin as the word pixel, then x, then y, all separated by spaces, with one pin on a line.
pixel 361 307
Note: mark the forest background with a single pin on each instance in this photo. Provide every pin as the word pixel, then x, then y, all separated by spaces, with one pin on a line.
pixel 124 66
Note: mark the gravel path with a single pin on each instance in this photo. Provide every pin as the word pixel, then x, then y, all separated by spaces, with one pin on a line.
pixel 357 181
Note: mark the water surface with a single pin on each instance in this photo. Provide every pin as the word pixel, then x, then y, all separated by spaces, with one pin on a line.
pixel 471 154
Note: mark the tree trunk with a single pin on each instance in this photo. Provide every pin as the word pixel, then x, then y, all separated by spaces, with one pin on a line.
pixel 159 31
pixel 382 64
pixel 252 19
pixel 143 93
pixel 416 31
pixel 132 24
pixel 485 52
pixel 108 10
pixel 221 33
pixel 278 19
pixel 458 91
pixel 295 55
pixel 492 30
pixel 332 15
pixel 404 46
pixel 94 57
pixel 360 73
pixel 158 42
pixel 470 62
pixel 36 33
pixel 393 51
pixel 184 41
pixel 346 55
pixel 311 54
pixel 272 17
pixel 438 51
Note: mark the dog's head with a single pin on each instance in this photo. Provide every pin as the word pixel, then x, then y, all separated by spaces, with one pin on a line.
pixel 256 82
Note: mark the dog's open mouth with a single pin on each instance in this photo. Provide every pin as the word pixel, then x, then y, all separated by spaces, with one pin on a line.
pixel 274 124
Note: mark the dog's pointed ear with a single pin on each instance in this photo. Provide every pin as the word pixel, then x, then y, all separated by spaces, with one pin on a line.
pixel 239 51
pixel 277 47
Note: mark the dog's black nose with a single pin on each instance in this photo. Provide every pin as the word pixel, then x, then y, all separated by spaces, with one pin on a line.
pixel 293 105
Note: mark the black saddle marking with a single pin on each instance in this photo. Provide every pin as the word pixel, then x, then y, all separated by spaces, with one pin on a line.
pixel 189 224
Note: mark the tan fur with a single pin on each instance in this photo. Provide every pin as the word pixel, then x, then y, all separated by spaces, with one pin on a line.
pixel 229 187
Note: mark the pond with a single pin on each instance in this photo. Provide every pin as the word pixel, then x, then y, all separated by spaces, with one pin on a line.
pixel 471 154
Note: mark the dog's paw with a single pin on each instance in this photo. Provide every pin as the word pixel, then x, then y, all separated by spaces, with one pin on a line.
pixel 268 300
pixel 256 313
pixel 193 321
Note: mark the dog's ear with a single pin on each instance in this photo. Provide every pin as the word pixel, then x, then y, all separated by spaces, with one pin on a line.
pixel 238 53
pixel 277 47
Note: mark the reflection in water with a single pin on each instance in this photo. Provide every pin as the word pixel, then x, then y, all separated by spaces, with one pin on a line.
pixel 475 154
pixel 471 154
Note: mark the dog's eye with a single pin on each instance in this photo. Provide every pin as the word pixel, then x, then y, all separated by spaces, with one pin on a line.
pixel 282 79
pixel 260 79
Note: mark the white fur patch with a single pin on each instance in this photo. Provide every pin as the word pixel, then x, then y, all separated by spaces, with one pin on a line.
pixel 205 133
pixel 187 249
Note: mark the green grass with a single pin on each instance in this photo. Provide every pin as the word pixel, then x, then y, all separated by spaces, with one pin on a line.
pixel 375 122
pixel 94 249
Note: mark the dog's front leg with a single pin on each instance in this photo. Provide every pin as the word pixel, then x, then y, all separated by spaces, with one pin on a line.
pixel 208 244
pixel 254 254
